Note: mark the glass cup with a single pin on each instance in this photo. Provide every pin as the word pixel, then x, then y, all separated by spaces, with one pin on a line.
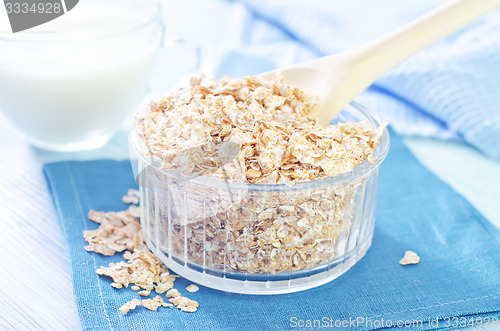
pixel 70 84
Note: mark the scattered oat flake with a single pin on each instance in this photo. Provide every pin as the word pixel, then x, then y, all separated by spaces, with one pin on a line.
pixel 148 287
pixel 173 293
pixel 158 298
pixel 185 304
pixel 192 288
pixel 190 309
pixel 183 301
pixel 135 288
pixel 130 305
pixel 116 285
pixel 132 197
pixel 151 304
pixel 164 287
pixel 168 305
pixel 118 231
pixel 144 293
pixel 410 258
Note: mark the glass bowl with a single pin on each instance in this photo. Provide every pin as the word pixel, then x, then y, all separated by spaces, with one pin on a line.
pixel 259 238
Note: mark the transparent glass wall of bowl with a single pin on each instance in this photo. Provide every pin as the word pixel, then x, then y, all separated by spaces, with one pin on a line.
pixel 259 239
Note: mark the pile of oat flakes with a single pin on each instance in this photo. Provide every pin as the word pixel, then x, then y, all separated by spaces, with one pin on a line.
pixel 267 119
pixel 121 231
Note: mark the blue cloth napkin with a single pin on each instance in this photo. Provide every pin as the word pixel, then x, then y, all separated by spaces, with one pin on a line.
pixel 456 278
pixel 449 90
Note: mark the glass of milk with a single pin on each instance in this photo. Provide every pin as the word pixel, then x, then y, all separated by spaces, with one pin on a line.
pixel 71 83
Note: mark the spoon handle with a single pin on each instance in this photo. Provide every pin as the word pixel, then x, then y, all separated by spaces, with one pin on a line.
pixel 367 63
pixel 388 51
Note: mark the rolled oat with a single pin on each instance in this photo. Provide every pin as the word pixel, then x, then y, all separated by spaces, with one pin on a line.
pixel 192 288
pixel 130 305
pixel 118 231
pixel 277 142
pixel 410 258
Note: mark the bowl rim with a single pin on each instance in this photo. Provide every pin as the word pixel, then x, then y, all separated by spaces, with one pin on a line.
pixel 362 170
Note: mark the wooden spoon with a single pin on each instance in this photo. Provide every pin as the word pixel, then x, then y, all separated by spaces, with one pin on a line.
pixel 338 78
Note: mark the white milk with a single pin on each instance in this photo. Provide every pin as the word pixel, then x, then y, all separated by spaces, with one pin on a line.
pixel 75 95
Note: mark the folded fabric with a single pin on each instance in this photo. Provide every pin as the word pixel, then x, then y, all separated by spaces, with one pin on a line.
pixel 449 90
pixel 456 280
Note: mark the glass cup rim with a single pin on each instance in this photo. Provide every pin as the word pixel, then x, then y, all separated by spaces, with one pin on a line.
pixel 154 17
pixel 363 169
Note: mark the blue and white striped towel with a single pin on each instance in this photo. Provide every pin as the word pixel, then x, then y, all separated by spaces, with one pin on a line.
pixel 450 90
